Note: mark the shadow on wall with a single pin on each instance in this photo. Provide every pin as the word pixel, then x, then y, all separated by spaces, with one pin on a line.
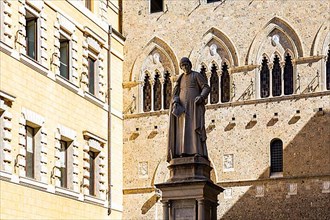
pixel 303 192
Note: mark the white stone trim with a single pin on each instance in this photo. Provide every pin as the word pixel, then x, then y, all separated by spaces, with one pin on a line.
pixel 34 120
pixel 6 157
pixel 67 134
pixel 66 83
pixel 94 145
pixel 6 22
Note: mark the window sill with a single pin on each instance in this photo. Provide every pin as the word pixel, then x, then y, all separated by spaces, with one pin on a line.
pixel 34 64
pixel 90 97
pixel 276 175
pixel 94 200
pixel 66 83
pixel 6 48
pixel 5 175
pixel 33 183
pixel 68 193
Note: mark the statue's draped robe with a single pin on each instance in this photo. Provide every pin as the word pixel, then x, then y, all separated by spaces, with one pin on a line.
pixel 187 135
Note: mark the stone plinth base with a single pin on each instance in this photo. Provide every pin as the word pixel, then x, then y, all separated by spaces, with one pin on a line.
pixel 189 193
pixel 185 168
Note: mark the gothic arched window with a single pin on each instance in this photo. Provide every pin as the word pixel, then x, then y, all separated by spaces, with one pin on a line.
pixel 147 94
pixel 214 84
pixel 167 90
pixel 288 76
pixel 157 93
pixel 328 71
pixel 276 156
pixel 264 78
pixel 225 84
pixel 276 77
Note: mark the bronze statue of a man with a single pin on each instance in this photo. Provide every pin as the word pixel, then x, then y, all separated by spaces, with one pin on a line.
pixel 187 135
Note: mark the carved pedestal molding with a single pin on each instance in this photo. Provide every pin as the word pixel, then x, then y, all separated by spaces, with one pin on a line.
pixel 189 193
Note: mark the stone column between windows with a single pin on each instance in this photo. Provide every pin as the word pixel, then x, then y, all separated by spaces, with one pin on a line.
pixel 282 78
pixel 152 83
pixel 162 100
pixel 208 78
pixel 270 66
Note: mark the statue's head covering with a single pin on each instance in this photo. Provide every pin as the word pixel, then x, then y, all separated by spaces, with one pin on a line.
pixel 185 60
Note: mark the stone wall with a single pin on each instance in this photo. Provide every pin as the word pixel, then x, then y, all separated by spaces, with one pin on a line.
pixel 239 132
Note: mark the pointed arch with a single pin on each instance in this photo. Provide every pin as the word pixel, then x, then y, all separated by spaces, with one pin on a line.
pixel 155 44
pixel 321 39
pixel 276 26
pixel 204 50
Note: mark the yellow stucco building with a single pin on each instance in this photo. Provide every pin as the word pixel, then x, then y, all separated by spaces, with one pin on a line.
pixel 61 126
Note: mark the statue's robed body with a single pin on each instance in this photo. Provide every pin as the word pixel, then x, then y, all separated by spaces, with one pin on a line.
pixel 187 135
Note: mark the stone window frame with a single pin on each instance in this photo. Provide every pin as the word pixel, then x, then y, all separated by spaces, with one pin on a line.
pixel 162 89
pixel 96 144
pixel 36 121
pixel 93 47
pixel 65 27
pixel 66 134
pixel 279 173
pixel 36 8
pixel 6 158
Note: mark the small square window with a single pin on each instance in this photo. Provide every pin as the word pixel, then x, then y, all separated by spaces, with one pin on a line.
pixel 156 6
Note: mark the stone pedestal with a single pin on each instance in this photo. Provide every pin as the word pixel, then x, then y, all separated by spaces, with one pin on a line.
pixel 189 193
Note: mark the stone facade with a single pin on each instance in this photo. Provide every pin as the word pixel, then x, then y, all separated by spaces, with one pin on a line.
pixel 44 112
pixel 241 130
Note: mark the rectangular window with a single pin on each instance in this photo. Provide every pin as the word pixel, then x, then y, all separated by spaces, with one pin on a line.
pixel 64 57
pixel 210 1
pixel 92 157
pixel 156 6
pixel 91 75
pixel 30 151
pixel 31 35
pixel 64 163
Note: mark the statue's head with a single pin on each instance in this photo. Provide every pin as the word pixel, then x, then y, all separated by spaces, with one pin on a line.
pixel 185 65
